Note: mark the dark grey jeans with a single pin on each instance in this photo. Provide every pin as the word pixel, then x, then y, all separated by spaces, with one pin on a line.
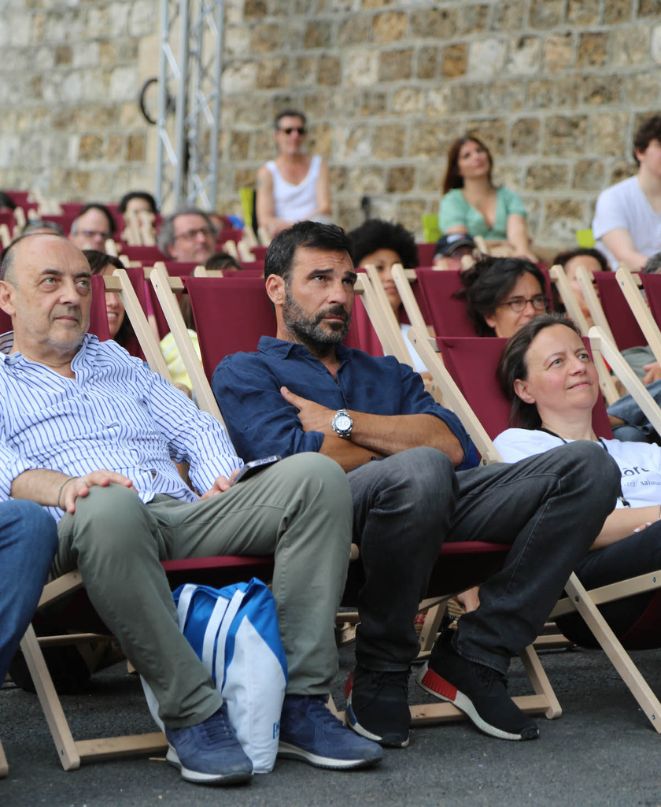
pixel 549 508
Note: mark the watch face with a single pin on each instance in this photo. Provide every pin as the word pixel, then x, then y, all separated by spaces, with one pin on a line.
pixel 343 423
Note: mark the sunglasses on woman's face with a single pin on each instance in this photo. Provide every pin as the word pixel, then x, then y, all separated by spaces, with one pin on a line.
pixel 289 129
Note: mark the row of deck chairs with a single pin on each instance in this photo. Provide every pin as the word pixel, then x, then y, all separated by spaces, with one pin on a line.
pixel 231 314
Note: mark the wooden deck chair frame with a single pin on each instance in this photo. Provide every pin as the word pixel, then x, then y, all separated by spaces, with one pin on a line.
pixel 70 751
pixel 4 767
pixel 120 283
pixel 382 316
pixel 639 308
pixel 578 599
pixel 573 308
pixel 165 285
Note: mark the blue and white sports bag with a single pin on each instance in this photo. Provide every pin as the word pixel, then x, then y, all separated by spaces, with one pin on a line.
pixel 234 630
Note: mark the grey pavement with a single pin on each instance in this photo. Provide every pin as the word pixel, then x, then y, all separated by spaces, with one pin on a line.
pixel 602 751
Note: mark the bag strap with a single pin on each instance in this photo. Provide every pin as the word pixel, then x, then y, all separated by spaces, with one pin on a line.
pixel 185 597
pixel 232 610
pixel 211 632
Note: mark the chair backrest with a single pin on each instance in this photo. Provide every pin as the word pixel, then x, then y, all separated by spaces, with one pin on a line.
pixel 361 331
pixel 624 326
pixel 426 254
pixel 141 289
pixel 473 363
pixel 231 314
pixel 98 314
pixel 652 287
pixel 446 313
pixel 147 255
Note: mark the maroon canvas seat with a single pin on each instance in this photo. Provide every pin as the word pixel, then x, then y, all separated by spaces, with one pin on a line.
pixel 440 306
pixel 98 314
pixel 621 320
pixel 256 266
pixel 147 255
pixel 362 335
pixel 426 254
pixel 652 288
pixel 473 363
pixel 231 314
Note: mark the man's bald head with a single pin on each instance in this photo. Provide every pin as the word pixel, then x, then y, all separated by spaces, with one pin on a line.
pixel 46 289
pixel 9 256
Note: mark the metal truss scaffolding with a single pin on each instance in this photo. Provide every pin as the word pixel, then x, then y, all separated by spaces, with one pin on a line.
pixel 189 102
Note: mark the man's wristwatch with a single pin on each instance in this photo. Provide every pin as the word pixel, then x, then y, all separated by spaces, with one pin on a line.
pixel 342 423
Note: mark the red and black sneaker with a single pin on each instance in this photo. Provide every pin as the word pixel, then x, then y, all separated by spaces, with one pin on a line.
pixel 480 692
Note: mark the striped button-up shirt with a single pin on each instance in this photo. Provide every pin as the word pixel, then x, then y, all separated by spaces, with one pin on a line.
pixel 116 414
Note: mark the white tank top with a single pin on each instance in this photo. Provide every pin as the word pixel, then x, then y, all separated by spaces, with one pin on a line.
pixel 295 202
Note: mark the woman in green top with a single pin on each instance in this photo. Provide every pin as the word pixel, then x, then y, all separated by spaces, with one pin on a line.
pixel 472 204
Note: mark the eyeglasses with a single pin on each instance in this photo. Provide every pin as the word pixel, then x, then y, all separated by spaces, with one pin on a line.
pixel 289 129
pixel 94 234
pixel 517 304
pixel 189 235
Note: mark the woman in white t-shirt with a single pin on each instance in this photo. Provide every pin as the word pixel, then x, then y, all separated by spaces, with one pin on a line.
pixel 550 377
pixel 295 186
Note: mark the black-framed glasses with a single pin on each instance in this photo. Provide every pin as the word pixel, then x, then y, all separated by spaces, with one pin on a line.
pixel 189 235
pixel 289 129
pixel 95 234
pixel 517 304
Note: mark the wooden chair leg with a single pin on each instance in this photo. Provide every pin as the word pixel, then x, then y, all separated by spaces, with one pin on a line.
pixel 70 751
pixel 613 648
pixel 540 682
pixel 50 701
pixel 4 767
pixel 431 625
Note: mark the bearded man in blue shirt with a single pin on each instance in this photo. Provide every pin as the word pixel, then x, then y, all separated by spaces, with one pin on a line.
pixel 91 433
pixel 411 469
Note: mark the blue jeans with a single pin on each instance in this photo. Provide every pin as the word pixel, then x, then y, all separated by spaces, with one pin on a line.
pixel 548 508
pixel 637 427
pixel 28 540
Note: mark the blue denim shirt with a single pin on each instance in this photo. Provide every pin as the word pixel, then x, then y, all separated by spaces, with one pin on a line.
pixel 261 422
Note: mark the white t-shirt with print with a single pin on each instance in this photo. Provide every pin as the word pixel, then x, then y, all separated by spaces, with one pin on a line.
pixel 640 463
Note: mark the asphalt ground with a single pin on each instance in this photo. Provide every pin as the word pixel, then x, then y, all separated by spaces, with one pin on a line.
pixel 602 751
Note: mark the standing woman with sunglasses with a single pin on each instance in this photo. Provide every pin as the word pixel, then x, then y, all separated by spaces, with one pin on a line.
pixel 502 295
pixel 294 186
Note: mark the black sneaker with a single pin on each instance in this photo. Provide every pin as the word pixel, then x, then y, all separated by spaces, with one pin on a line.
pixel 480 692
pixel 377 706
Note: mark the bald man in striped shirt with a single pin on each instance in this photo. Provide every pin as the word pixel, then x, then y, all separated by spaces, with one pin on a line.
pixel 91 433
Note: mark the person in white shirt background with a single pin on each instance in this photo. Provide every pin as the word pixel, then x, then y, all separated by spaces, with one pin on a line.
pixel 295 186
pixel 627 219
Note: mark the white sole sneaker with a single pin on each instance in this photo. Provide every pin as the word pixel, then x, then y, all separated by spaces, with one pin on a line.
pixel 200 778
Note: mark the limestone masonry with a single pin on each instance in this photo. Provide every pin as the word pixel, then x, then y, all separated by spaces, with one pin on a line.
pixel 555 87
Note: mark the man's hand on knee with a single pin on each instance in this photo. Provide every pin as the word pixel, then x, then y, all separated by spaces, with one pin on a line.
pixel 76 486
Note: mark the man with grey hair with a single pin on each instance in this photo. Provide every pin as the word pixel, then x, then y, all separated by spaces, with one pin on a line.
pixel 93 227
pixel 91 433
pixel 188 235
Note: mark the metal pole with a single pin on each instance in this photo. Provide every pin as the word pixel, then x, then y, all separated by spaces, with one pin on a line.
pixel 180 113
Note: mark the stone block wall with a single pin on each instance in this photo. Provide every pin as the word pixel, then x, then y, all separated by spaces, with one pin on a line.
pixel 70 75
pixel 555 87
